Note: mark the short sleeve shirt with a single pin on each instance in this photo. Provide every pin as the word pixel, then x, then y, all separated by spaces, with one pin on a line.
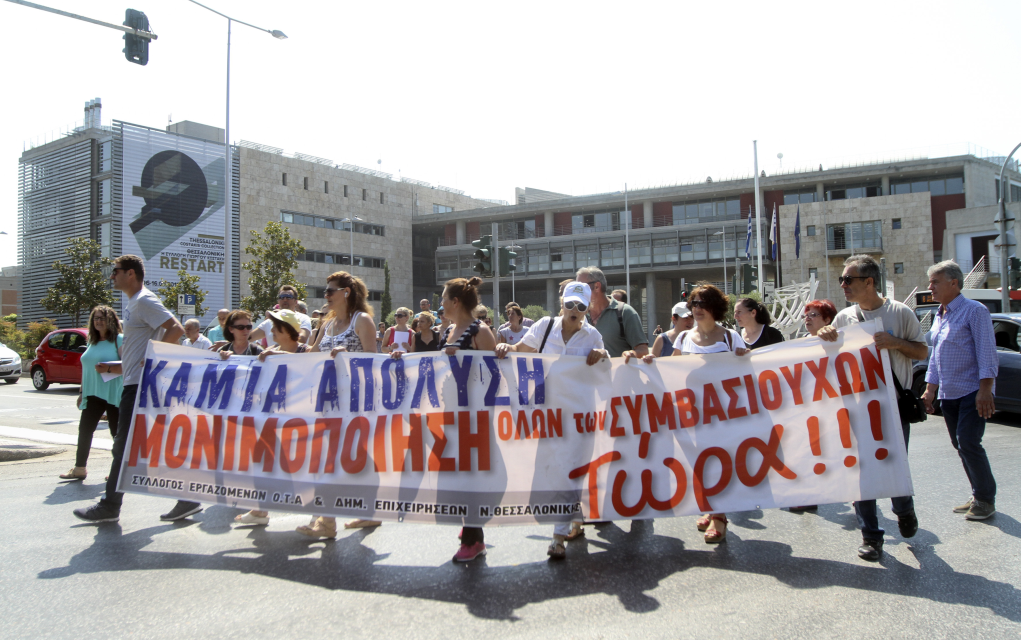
pixel 513 337
pixel 201 342
pixel 609 328
pixel 899 321
pixel 143 318
pixel 581 343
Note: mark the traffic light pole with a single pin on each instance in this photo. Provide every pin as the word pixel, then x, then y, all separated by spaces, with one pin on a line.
pixel 1003 242
pixel 496 271
pixel 148 35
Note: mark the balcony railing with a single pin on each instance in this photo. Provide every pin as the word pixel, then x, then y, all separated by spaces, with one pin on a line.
pixel 845 244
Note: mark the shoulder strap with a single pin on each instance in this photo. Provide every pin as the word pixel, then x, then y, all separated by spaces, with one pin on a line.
pixel 549 328
pixel 620 321
pixel 680 339
pixel 857 310
pixel 729 339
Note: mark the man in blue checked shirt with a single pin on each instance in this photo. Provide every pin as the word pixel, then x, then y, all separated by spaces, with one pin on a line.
pixel 963 366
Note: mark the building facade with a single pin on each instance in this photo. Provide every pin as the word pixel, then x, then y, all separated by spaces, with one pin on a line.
pixel 10 287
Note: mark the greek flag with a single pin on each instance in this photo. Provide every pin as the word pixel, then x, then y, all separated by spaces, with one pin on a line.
pixel 748 238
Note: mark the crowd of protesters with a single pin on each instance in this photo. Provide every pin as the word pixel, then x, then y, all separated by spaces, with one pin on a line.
pixel 593 322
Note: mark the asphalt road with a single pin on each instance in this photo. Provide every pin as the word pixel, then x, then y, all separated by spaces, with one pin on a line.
pixel 779 575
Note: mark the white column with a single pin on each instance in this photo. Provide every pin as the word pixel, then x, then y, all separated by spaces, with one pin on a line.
pixel 549 224
pixel 820 192
pixel 647 206
pixel 885 182
pixel 552 299
pixel 650 304
pixel 460 232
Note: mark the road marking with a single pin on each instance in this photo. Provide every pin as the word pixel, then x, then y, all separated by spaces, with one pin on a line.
pixel 51 438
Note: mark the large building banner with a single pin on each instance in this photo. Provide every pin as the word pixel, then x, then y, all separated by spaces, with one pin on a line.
pixel 173 208
pixel 472 439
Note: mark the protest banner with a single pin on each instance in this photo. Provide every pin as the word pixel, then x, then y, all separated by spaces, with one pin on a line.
pixel 472 439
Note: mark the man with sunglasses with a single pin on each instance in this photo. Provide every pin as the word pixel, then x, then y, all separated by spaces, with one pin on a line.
pixel 287 298
pixel 144 319
pixel 621 327
pixel 903 341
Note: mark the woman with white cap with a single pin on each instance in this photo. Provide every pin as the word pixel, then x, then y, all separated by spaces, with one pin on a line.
pixel 682 321
pixel 284 331
pixel 567 334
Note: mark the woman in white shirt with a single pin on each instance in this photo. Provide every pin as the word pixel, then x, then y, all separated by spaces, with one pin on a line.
pixel 708 306
pixel 568 334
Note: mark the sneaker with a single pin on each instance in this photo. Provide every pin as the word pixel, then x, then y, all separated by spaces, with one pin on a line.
pixel 98 512
pixel 964 508
pixel 181 510
pixel 871 550
pixel 908 524
pixel 467 552
pixel 980 510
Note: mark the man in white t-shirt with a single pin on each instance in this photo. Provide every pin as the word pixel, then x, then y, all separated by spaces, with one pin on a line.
pixel 902 340
pixel 144 318
pixel 193 335
pixel 287 298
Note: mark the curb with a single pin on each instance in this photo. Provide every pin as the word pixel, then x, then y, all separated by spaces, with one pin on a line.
pixel 11 453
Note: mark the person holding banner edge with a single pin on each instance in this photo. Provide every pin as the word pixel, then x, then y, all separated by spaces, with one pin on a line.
pixel 144 319
pixel 566 334
pixel 902 340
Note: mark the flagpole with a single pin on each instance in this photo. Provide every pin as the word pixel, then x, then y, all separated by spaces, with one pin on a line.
pixel 797 241
pixel 758 214
pixel 627 248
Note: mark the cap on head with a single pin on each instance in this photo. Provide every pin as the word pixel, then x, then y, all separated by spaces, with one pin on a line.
pixel 578 292
pixel 681 310
pixel 287 317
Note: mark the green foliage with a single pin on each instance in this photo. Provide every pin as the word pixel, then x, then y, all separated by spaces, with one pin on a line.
pixel 186 284
pixel 274 258
pixel 35 334
pixel 436 303
pixel 386 303
pixel 534 312
pixel 81 284
pixel 11 336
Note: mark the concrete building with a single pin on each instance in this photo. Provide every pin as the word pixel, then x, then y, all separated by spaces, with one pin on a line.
pixel 687 233
pixel 10 286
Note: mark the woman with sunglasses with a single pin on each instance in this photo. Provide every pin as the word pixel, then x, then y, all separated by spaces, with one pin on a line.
pixel 753 318
pixel 566 334
pixel 237 330
pixel 348 327
pixel 398 337
pixel 97 397
pixel 682 320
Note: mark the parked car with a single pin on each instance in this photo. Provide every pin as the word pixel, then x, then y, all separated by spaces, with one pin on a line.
pixel 10 365
pixel 58 358
pixel 1006 327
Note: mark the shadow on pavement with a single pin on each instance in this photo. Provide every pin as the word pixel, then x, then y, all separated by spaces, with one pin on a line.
pixel 630 564
pixel 74 491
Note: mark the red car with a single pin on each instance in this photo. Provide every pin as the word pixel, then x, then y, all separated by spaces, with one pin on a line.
pixel 58 358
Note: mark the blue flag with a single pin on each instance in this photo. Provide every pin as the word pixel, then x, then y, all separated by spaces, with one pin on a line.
pixel 748 238
pixel 797 234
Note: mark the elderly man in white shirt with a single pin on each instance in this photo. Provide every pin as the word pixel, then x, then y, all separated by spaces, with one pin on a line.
pixel 193 335
pixel 568 334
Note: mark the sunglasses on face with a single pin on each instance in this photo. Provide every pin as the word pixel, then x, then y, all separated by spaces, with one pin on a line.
pixel 812 314
pixel 571 305
pixel 329 291
pixel 400 315
pixel 285 296
pixel 116 269
pixel 241 327
pixel 698 304
pixel 847 279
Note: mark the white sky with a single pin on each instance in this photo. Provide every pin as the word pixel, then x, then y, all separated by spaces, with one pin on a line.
pixel 576 97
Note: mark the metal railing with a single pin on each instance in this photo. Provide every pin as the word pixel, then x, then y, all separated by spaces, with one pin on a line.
pixel 977 275
pixel 845 244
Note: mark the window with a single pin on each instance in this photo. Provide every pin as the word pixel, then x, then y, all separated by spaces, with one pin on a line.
pixel 801 196
pixel 381 197
pixel 854 235
pixel 895 223
pixel 810 230
pixel 595 222
pixel 324 257
pixel 365 194
pixel 326 187
pixel 75 341
pixel 57 340
pixel 285 179
pixel 937 186
pixel 306 184
pixel 898 267
pixel 706 210
pixel 345 190
pixel 105 156
pixel 442 208
pixel 852 191
pixel 813 271
pixel 104 236
pixel 331 223
pixel 104 194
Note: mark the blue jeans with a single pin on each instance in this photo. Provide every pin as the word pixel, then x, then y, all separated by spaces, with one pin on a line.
pixel 966 429
pixel 868 516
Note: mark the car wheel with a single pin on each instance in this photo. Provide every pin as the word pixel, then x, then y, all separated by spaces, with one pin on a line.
pixel 39 379
pixel 11 380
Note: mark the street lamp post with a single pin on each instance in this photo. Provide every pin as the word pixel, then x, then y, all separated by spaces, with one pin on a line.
pixel 1003 240
pixel 352 221
pixel 228 191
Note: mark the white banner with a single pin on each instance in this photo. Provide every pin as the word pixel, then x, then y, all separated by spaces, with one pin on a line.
pixel 469 439
pixel 173 208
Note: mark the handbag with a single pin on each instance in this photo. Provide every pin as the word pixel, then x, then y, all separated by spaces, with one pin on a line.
pixel 910 406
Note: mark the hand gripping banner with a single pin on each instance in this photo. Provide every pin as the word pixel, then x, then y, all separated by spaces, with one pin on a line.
pixel 470 439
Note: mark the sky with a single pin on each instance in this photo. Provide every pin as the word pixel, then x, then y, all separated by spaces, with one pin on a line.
pixel 573 97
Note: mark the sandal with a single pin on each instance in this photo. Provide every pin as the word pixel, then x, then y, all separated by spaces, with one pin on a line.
pixel 362 524
pixel 250 518
pixel 318 528
pixel 715 534
pixel 556 550
pixel 576 532
pixel 703 523
pixel 71 475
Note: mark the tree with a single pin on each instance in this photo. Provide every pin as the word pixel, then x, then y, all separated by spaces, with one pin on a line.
pixel 534 312
pixel 81 284
pixel 275 256
pixel 386 303
pixel 186 284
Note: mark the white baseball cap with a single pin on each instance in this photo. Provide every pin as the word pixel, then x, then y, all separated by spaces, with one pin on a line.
pixel 578 292
pixel 681 310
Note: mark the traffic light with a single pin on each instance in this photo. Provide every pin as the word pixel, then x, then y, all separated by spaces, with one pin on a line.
pixel 1014 273
pixel 483 256
pixel 507 261
pixel 750 276
pixel 136 48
